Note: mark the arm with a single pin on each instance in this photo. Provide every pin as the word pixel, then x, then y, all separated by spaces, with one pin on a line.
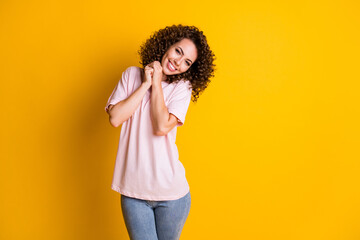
pixel 162 120
pixel 121 111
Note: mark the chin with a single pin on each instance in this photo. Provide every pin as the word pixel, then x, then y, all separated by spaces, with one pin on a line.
pixel 166 73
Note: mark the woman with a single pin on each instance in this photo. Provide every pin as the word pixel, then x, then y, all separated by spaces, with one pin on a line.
pixel 150 104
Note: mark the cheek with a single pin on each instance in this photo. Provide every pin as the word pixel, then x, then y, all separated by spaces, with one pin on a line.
pixel 163 60
pixel 185 67
pixel 172 55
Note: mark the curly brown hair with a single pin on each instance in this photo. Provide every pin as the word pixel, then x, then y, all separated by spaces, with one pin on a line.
pixel 200 71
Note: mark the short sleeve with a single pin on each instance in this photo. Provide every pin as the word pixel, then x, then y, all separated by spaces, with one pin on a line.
pixel 179 102
pixel 120 91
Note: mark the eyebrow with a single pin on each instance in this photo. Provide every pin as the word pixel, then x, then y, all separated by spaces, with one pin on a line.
pixel 183 53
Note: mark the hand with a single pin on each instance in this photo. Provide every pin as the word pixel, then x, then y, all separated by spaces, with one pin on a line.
pixel 149 71
pixel 158 73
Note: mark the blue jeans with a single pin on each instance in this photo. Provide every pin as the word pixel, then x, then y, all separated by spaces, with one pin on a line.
pixel 155 220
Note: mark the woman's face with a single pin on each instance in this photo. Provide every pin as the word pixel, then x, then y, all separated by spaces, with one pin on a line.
pixel 179 57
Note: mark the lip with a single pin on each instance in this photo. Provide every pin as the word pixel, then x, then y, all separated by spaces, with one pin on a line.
pixel 168 66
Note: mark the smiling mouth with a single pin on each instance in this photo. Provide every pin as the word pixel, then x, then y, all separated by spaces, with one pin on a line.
pixel 171 66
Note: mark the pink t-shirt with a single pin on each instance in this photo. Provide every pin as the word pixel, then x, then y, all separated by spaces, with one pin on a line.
pixel 147 166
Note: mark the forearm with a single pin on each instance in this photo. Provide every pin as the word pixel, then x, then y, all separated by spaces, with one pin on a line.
pixel 158 110
pixel 123 110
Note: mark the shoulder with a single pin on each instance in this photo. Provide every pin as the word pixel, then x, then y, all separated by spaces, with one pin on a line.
pixel 182 90
pixel 184 85
pixel 134 69
pixel 133 72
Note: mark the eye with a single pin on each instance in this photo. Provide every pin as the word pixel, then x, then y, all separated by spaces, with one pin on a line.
pixel 178 51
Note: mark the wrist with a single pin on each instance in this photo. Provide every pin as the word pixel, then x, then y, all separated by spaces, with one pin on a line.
pixel 146 85
pixel 156 84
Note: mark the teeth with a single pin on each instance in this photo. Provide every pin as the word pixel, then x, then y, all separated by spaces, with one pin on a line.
pixel 172 67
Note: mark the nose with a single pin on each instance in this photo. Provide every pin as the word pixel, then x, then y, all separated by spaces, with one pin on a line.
pixel 176 62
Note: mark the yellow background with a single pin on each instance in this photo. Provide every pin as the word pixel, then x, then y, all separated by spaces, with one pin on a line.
pixel 271 149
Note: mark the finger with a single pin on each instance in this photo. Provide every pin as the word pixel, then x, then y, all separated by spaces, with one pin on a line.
pixel 149 72
pixel 148 76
